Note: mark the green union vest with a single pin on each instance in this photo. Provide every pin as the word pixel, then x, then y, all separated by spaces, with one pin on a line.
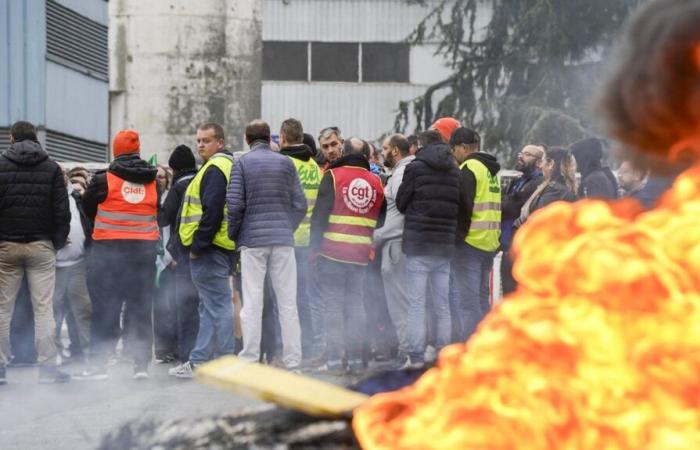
pixel 485 230
pixel 310 177
pixel 192 205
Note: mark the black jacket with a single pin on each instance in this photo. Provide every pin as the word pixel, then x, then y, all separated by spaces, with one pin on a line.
pixel 169 214
pixel 555 191
pixel 326 200
pixel 84 219
pixel 512 203
pixel 33 196
pixel 430 197
pixel 127 167
pixel 301 151
pixel 468 189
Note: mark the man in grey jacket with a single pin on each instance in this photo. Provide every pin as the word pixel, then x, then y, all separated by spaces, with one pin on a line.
pixel 396 152
pixel 266 204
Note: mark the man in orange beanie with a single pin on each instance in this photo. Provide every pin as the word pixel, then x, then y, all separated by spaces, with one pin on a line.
pixel 122 202
pixel 446 126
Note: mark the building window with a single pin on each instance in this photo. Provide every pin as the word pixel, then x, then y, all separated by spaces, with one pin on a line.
pixel 385 62
pixel 285 61
pixel 334 62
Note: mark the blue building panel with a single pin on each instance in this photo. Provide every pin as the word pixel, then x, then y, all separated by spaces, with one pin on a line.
pixel 76 104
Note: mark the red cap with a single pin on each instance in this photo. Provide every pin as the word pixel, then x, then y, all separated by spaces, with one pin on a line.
pixel 125 142
pixel 446 126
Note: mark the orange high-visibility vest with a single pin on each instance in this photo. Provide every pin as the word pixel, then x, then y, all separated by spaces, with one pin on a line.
pixel 358 202
pixel 128 212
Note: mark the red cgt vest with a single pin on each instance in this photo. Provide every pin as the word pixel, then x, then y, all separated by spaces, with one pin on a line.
pixel 358 201
pixel 128 212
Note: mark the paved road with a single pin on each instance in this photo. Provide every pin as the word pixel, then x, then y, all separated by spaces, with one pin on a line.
pixel 76 415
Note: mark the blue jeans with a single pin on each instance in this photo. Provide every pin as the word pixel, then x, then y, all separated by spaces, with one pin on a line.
pixel 420 269
pixel 469 288
pixel 210 275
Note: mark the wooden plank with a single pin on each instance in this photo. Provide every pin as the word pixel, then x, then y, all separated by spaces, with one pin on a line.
pixel 298 392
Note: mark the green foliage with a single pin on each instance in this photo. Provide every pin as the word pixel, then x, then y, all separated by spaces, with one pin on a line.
pixel 524 70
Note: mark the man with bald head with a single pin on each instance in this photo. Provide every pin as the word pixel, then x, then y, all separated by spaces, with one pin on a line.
pixel 520 189
pixel 266 204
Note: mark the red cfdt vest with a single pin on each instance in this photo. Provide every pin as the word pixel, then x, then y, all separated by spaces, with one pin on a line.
pixel 358 202
pixel 128 212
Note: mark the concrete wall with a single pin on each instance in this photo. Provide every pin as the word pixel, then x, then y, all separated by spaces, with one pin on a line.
pixel 177 63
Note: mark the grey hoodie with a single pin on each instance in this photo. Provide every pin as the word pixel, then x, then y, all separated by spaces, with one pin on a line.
pixel 393 225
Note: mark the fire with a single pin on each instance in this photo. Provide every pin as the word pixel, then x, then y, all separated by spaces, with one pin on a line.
pixel 598 349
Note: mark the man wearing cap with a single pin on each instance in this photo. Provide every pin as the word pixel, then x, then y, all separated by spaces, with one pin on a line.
pixel 186 300
pixel 123 203
pixel 479 229
pixel 203 231
pixel 445 126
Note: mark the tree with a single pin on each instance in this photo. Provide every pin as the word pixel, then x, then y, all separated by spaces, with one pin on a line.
pixel 524 70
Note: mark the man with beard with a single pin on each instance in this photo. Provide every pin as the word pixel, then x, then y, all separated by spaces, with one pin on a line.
pixel 520 189
pixel 388 238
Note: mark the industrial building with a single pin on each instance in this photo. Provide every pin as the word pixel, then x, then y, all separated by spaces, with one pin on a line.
pixel 54 73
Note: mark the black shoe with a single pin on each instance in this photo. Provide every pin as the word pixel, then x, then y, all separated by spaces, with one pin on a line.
pixel 3 380
pixel 51 374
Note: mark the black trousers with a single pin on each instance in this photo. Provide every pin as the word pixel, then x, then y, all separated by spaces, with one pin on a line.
pixel 122 273
pixel 165 315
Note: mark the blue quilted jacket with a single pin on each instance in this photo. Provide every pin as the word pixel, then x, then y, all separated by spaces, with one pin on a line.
pixel 265 199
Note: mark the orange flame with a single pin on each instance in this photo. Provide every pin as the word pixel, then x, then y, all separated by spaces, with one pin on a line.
pixel 598 349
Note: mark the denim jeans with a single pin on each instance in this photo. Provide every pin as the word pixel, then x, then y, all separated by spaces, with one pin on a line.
pixel 469 290
pixel 420 269
pixel 210 275
pixel 186 306
pixel 341 287
pixel 304 300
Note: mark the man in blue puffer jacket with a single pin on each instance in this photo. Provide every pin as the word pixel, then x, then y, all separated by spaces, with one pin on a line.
pixel 266 204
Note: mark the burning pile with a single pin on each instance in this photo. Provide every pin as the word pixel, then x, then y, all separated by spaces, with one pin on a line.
pixel 600 347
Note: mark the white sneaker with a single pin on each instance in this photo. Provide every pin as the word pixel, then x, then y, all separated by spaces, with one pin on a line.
pixel 408 364
pixel 92 374
pixel 185 370
pixel 173 370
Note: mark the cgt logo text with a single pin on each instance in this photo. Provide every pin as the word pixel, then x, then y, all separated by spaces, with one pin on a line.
pixel 133 192
pixel 359 196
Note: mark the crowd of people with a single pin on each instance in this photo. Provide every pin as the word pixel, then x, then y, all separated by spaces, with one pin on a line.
pixel 319 258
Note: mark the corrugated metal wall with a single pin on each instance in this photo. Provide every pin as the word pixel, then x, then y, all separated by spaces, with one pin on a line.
pixel 4 139
pixel 365 110
pixel 76 41
pixel 63 147
pixel 341 20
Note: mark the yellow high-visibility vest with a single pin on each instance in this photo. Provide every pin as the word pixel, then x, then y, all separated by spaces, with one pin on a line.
pixel 485 230
pixel 192 205
pixel 310 177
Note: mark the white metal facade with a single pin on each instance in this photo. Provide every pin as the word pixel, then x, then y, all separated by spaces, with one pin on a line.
pixel 363 109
